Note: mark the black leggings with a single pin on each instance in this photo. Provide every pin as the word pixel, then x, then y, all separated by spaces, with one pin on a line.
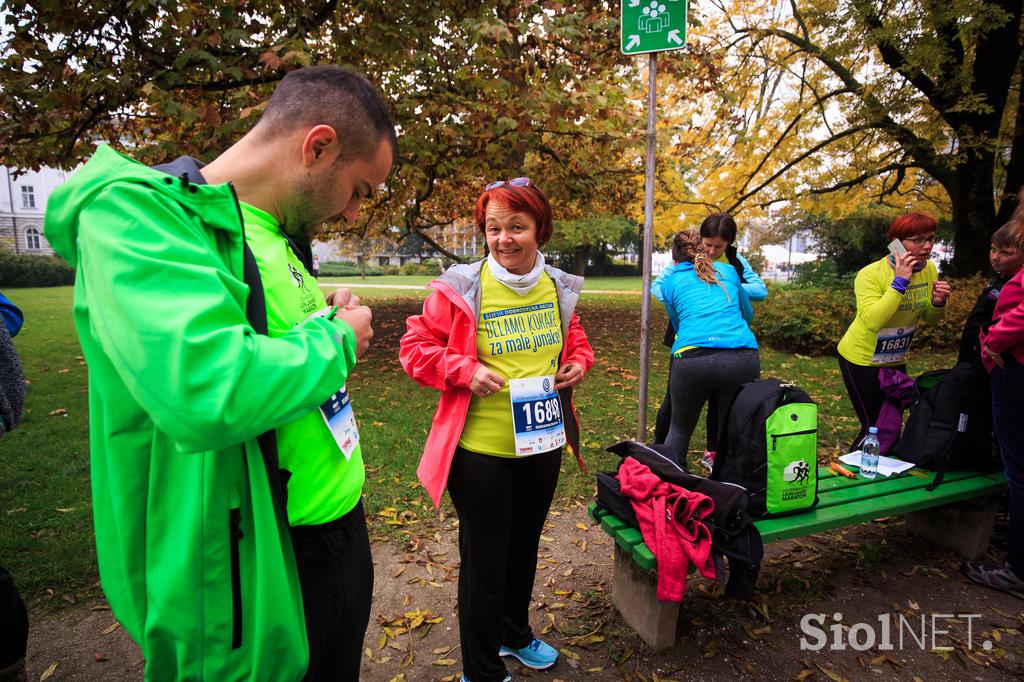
pixel 13 622
pixel 502 503
pixel 865 389
pixel 664 418
pixel 700 379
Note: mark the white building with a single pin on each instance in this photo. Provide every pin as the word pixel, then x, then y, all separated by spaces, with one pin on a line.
pixel 23 207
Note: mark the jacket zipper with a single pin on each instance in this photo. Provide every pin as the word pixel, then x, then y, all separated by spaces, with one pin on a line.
pixel 235 529
pixel 776 436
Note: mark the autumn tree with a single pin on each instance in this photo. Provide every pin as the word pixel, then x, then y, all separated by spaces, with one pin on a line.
pixel 479 90
pixel 838 105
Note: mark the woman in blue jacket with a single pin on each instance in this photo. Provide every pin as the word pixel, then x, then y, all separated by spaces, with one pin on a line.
pixel 717 236
pixel 714 352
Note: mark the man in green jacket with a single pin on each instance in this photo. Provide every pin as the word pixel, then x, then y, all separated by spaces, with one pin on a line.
pixel 185 387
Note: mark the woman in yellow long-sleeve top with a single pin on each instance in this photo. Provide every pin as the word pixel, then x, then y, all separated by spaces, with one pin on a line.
pixel 893 295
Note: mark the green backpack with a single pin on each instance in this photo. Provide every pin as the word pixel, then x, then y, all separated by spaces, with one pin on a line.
pixel 769 445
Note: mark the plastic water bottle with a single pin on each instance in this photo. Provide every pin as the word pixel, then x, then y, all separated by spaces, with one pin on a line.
pixel 869 454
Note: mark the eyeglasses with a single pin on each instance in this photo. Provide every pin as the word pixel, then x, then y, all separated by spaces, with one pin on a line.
pixel 514 182
pixel 921 241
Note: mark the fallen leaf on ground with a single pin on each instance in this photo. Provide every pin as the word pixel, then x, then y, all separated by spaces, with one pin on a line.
pixel 832 674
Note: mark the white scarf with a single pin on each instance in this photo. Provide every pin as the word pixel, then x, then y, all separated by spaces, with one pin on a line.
pixel 521 284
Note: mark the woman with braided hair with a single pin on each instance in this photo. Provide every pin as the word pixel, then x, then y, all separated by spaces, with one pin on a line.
pixel 714 351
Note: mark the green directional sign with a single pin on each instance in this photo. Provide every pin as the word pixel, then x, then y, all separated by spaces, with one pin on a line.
pixel 652 25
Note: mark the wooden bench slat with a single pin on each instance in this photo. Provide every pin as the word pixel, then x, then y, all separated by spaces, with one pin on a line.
pixel 842 504
pixel 830 481
pixel 627 538
pixel 877 489
pixel 827 518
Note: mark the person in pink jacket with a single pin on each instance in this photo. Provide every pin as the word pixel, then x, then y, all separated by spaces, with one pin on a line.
pixel 502 342
pixel 1002 352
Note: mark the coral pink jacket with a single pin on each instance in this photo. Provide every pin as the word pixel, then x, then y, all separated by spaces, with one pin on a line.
pixel 1006 335
pixel 438 351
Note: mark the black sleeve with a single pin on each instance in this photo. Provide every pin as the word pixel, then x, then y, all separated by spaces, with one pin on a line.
pixel 970 347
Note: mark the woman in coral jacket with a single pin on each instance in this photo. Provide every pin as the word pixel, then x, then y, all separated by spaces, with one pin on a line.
pixel 1002 352
pixel 501 341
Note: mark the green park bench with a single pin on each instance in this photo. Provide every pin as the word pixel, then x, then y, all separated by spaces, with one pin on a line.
pixel 959 514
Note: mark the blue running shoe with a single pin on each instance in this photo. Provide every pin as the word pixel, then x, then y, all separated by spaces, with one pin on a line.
pixel 536 655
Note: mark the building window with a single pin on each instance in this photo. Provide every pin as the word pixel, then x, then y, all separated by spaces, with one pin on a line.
pixel 28 197
pixel 32 240
pixel 383 260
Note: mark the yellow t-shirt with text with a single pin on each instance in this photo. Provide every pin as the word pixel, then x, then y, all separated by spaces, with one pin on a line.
pixel 516 337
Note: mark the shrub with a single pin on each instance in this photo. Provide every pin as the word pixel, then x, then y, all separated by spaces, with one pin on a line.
pixel 812 320
pixel 346 269
pixel 427 268
pixel 34 271
pixel 821 273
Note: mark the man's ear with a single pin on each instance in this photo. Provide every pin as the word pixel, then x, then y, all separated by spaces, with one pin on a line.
pixel 319 144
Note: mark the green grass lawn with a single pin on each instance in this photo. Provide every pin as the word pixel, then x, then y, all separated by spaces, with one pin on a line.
pixel 46 529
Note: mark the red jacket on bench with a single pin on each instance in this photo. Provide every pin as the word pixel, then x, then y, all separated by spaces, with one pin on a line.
pixel 671 521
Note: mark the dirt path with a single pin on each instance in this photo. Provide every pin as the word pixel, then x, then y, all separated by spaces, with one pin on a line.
pixel 871 570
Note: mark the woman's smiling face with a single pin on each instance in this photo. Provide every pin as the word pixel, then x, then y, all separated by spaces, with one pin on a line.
pixel 511 238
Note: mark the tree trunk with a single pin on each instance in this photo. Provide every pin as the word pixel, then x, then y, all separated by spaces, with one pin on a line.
pixel 974 214
pixel 1014 167
pixel 581 256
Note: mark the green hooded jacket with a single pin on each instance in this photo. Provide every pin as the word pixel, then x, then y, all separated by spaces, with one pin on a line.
pixel 193 549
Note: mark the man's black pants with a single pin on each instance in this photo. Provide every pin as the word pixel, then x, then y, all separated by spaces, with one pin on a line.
pixel 336 573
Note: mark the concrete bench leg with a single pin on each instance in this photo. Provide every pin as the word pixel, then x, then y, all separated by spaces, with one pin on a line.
pixel 965 527
pixel 634 595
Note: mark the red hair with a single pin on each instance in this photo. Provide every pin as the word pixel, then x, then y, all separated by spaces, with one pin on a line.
pixel 911 225
pixel 527 199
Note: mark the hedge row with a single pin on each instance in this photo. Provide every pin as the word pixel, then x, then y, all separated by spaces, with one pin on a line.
pixel 34 271
pixel 811 321
pixel 347 269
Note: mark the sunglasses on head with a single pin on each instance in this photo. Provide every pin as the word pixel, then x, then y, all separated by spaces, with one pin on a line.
pixel 514 182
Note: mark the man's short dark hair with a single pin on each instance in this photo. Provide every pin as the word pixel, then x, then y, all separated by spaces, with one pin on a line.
pixel 331 95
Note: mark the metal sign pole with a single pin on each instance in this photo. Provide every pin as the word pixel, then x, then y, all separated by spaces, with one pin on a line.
pixel 645 303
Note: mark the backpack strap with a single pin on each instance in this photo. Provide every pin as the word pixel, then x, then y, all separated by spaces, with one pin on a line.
pixel 256 314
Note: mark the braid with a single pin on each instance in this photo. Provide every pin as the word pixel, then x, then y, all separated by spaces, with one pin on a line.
pixel 686 246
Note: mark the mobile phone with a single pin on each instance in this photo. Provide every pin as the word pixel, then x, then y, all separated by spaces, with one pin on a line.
pixel 896 248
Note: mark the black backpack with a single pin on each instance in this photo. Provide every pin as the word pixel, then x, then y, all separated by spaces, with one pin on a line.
pixel 769 445
pixel 950 422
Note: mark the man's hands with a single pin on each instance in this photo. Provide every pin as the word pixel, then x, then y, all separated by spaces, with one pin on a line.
pixel 359 317
pixel 568 375
pixel 485 382
pixel 342 298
